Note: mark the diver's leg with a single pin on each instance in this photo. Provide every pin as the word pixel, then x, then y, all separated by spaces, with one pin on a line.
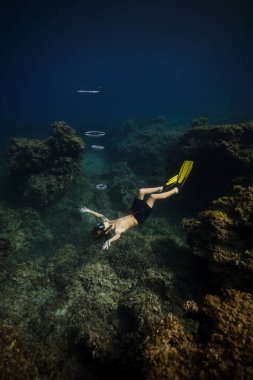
pixel 142 192
pixel 153 197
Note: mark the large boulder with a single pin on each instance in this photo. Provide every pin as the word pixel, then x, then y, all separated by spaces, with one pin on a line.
pixel 223 235
pixel 43 169
pixel 222 155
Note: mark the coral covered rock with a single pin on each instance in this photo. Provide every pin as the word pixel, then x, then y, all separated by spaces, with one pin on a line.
pixel 123 184
pixel 191 309
pixel 141 308
pixel 16 361
pixel 221 143
pixel 229 329
pixel 43 169
pixel 222 349
pixel 64 141
pixel 222 155
pixel 21 231
pixel 199 122
pixel 143 145
pixel 170 353
pixel 26 156
pixel 223 234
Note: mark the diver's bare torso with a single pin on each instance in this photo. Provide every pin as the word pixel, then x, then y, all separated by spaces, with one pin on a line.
pixel 119 225
pixel 122 224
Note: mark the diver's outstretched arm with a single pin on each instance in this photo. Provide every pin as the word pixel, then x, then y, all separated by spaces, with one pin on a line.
pixel 108 242
pixel 94 213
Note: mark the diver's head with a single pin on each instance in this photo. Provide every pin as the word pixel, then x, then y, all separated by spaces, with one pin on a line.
pixel 98 231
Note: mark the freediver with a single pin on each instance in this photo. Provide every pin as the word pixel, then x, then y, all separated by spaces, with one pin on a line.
pixel 141 209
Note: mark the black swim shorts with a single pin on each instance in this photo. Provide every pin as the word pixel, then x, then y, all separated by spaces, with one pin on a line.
pixel 140 210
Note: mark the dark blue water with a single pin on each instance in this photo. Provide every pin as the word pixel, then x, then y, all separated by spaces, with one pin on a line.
pixel 178 59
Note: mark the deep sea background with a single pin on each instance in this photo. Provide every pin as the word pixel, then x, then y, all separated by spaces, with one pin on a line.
pixel 178 59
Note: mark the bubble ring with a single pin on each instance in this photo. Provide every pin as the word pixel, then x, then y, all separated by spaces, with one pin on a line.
pixel 94 133
pixel 99 147
pixel 101 186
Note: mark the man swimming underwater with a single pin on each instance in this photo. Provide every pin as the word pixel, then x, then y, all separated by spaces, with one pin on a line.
pixel 141 209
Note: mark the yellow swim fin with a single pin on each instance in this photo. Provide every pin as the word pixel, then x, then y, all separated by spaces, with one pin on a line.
pixel 172 181
pixel 184 172
pixel 179 179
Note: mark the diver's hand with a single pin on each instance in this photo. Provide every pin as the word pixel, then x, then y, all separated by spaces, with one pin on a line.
pixel 84 209
pixel 107 244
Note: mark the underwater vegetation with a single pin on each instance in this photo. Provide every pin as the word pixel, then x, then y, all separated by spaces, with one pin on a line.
pixel 44 169
pixel 172 299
